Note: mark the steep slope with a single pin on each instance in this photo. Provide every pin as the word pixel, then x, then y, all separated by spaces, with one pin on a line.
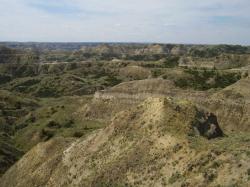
pixel 9 153
pixel 232 106
pixel 239 91
pixel 12 108
pixel 153 144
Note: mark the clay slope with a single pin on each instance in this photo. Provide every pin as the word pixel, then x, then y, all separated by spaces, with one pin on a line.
pixel 153 144
pixel 239 91
pixel 108 102
pixel 137 90
pixel 232 106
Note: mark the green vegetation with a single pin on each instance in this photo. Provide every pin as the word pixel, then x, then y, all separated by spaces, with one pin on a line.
pixel 12 108
pixel 46 92
pixel 171 62
pixel 207 79
pixel 213 51
pixel 55 80
pixel 9 154
pixel 24 122
pixel 55 117
pixel 176 176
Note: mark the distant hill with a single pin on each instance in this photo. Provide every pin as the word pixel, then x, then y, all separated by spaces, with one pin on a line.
pixel 177 48
pixel 68 52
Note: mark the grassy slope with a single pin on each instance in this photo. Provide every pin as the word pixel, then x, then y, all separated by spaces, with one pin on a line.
pixel 39 121
pixel 55 117
pixel 12 108
pixel 9 153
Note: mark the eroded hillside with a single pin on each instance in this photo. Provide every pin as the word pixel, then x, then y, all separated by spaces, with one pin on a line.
pixel 156 143
pixel 124 115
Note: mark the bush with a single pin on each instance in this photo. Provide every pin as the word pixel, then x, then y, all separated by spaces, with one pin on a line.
pixel 5 78
pixel 156 73
pixel 21 126
pixel 31 119
pixel 112 81
pixel 68 123
pixel 171 62
pixel 53 124
pixel 210 175
pixel 175 177
pixel 78 134
pixel 47 134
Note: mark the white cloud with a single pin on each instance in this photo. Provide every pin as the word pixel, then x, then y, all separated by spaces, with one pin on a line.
pixel 175 21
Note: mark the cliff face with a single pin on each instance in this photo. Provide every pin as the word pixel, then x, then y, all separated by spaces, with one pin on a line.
pixel 152 144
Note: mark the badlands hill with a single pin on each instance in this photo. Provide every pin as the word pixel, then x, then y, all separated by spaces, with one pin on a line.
pixel 153 144
pixel 108 102
pixel 124 115
pixel 157 141
pixel 232 106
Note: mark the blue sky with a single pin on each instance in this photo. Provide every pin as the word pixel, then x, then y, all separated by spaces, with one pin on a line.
pixel 163 21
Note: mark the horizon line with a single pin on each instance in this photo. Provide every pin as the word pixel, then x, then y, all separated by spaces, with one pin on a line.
pixel 116 42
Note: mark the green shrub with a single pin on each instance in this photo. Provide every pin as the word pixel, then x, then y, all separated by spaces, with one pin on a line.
pixel 68 123
pixel 210 175
pixel 78 134
pixel 171 62
pixel 175 177
pixel 156 73
pixel 53 124
pixel 5 78
pixel 31 119
pixel 112 81
pixel 21 126
pixel 47 134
